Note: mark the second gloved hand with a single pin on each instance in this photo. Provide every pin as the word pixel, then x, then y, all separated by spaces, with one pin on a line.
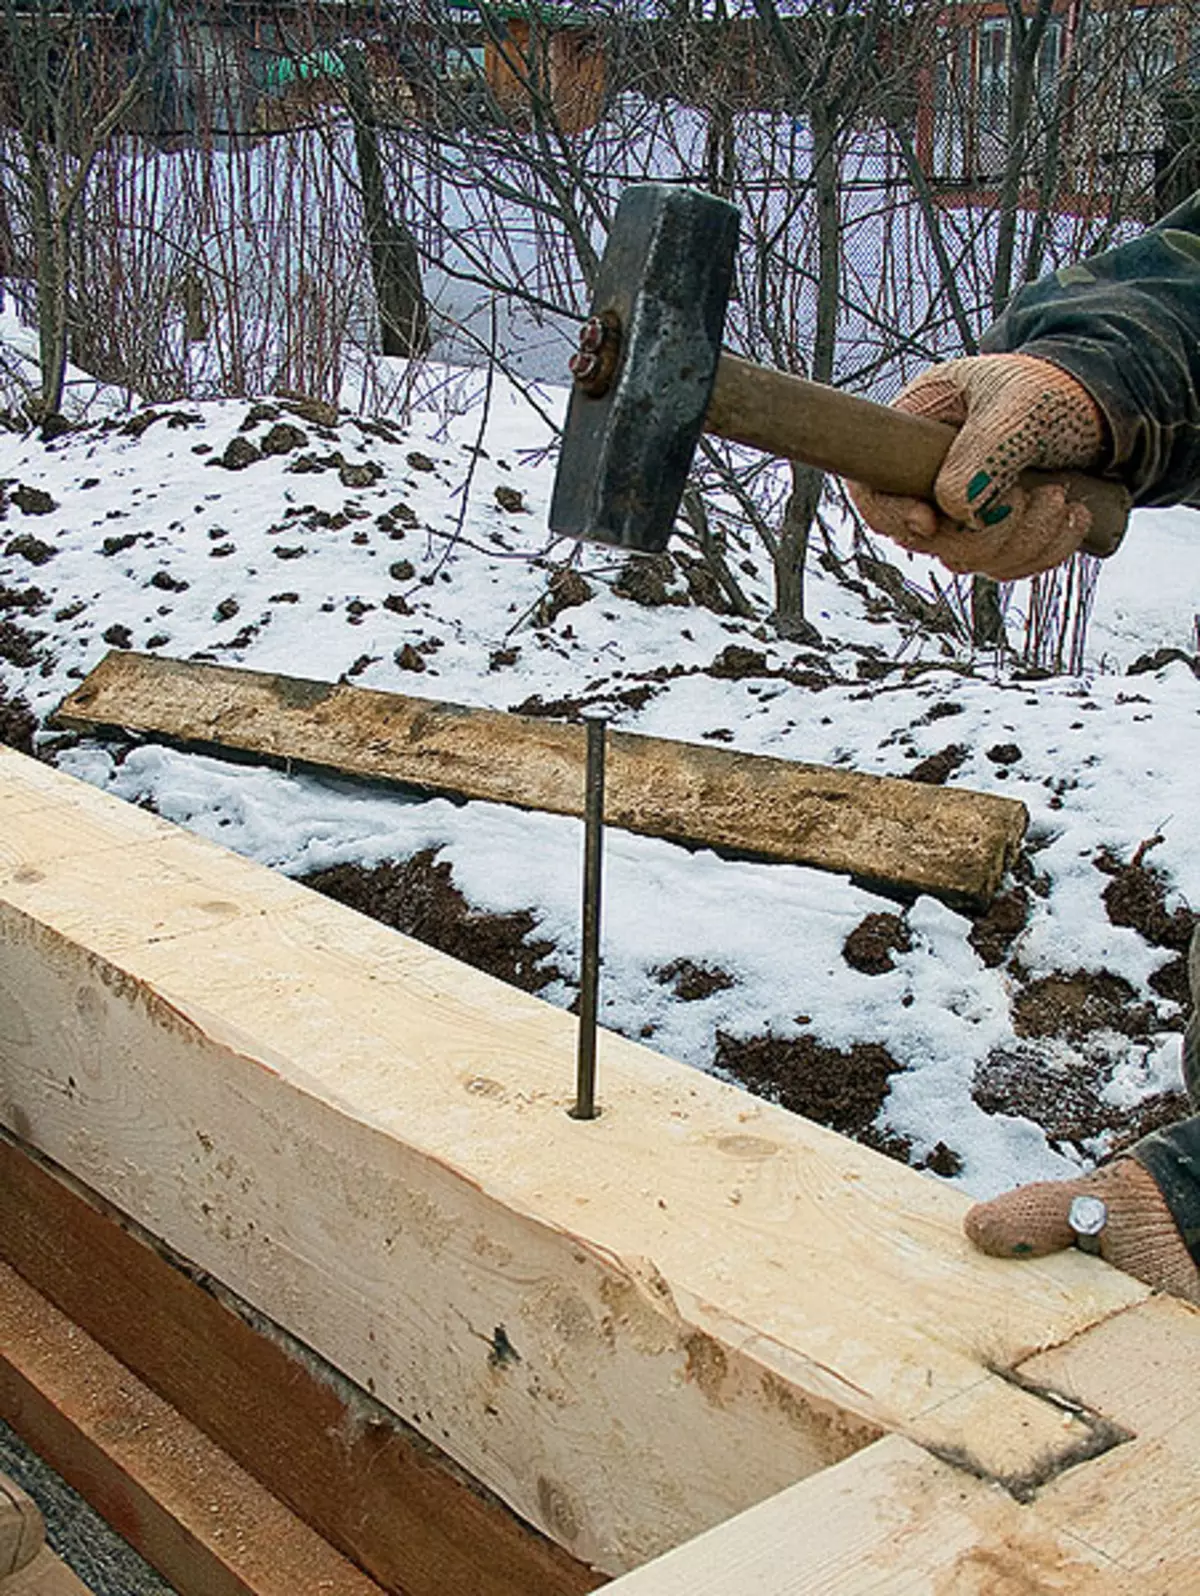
pixel 1013 412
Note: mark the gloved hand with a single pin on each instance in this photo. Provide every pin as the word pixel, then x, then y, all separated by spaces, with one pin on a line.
pixel 1140 1235
pixel 1014 412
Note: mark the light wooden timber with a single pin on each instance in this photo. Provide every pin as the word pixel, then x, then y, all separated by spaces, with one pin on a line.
pixel 893 1519
pixel 207 1526
pixel 630 1329
pixel 948 841
pixel 380 1494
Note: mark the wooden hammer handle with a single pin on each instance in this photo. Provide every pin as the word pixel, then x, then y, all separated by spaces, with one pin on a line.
pixel 884 448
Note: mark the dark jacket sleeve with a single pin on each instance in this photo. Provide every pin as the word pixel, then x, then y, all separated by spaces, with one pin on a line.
pixel 1127 325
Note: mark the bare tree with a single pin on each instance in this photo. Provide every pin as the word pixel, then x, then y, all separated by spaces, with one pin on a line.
pixel 69 97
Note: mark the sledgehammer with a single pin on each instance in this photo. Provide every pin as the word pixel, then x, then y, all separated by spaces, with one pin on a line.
pixel 650 376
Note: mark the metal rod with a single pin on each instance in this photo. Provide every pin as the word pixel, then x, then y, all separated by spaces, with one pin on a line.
pixel 589 975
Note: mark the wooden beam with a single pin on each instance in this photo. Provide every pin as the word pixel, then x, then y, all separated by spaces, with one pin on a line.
pixel 895 1519
pixel 200 1520
pixel 891 1521
pixel 948 841
pixel 47 1575
pixel 369 1143
pixel 369 1485
pixel 21 1531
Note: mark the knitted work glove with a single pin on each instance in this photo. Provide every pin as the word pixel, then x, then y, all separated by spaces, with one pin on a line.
pixel 1013 412
pixel 1140 1236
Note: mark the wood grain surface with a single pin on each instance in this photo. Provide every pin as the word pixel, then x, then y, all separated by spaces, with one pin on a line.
pixel 370 1144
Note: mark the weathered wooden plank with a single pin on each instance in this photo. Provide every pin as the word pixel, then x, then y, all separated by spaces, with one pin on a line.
pixel 372 1488
pixel 948 841
pixel 21 1531
pixel 47 1575
pixel 207 1526
pixel 369 1143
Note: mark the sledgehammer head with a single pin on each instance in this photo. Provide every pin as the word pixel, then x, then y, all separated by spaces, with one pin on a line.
pixel 645 370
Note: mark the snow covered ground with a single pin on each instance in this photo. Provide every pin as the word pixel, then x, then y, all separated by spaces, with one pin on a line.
pixel 427 540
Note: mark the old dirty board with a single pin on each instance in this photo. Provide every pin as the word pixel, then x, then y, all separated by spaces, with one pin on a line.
pixel 47 1575
pixel 203 1522
pixel 895 1521
pixel 380 1494
pixel 22 1533
pixel 948 841
pixel 369 1143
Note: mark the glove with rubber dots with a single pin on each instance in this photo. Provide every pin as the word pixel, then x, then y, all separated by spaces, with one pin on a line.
pixel 1013 412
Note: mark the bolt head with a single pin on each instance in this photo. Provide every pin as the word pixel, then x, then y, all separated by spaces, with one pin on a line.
pixel 591 334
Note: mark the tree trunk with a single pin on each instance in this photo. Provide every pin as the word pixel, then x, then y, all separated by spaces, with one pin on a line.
pixel 50 243
pixel 807 482
pixel 1027 35
pixel 791 549
pixel 395 268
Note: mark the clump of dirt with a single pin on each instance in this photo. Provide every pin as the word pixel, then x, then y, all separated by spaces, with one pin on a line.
pixel 1067 1101
pixel 282 438
pixel 1170 981
pixel 29 599
pixel 238 454
pixel 511 499
pixel 646 579
pixel 17 723
pixel 937 769
pixel 691 982
pixel 32 501
pixel 18 646
pixel 1073 1006
pixel 844 1090
pixel 870 946
pixel 1136 896
pixel 943 1161
pixel 566 591
pixel 995 930
pixel 418 897
pixel 26 547
pixel 1160 659
pixel 1005 754
pixel 736 663
pixel 702 586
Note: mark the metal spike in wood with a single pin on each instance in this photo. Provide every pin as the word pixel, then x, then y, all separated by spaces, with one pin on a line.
pixel 589 975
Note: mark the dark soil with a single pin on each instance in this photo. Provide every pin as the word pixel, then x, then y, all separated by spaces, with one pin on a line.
pixel 844 1090
pixel 1073 1006
pixel 418 897
pixel 691 982
pixel 1067 1102
pixel 737 663
pixel 17 723
pixel 646 579
pixel 33 501
pixel 27 547
pixel 995 931
pixel 938 768
pixel 1136 896
pixel 566 591
pixel 870 946
pixel 18 646
pixel 29 599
